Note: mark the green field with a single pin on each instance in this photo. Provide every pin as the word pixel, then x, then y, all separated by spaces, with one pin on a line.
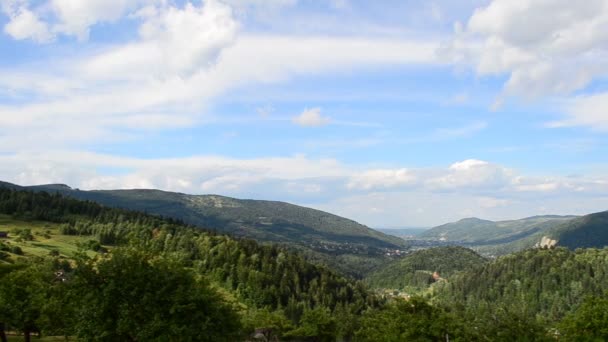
pixel 46 235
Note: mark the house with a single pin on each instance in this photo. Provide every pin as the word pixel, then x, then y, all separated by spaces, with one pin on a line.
pixel 3 235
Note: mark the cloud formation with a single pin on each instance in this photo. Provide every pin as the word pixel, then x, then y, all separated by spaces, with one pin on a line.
pixel 565 50
pixel 466 188
pixel 311 118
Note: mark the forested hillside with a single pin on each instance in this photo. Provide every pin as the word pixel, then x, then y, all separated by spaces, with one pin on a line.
pixel 542 284
pixel 586 231
pixel 419 269
pixel 476 231
pixel 77 269
pixel 257 277
pixel 344 244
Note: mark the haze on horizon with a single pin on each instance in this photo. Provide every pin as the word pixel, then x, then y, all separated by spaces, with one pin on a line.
pixel 392 113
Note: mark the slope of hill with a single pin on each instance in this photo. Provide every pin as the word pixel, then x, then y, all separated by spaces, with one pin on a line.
pixel 582 232
pixel 546 283
pixel 416 270
pixel 351 247
pixel 479 232
pixel 258 281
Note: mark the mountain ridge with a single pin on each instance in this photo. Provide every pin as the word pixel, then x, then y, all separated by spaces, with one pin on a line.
pixel 329 238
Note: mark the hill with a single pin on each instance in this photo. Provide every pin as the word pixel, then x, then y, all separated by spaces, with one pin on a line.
pixel 416 270
pixel 48 233
pixel 582 232
pixel 493 238
pixel 476 231
pixel 504 237
pixel 141 266
pixel 345 244
pixel 543 284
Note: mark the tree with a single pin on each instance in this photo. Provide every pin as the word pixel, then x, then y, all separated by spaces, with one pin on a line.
pixel 316 325
pixel 23 293
pixel 273 323
pixel 411 320
pixel 132 296
pixel 588 323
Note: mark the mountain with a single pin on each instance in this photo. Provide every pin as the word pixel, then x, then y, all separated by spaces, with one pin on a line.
pixel 504 237
pixel 142 264
pixel 417 270
pixel 483 232
pixel 582 232
pixel 351 247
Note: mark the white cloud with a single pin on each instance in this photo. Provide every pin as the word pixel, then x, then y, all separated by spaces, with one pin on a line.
pixel 123 84
pixel 405 195
pixel 472 174
pixel 381 179
pixel 75 17
pixel 311 118
pixel 564 49
pixel 25 24
pixel 174 42
pixel 586 110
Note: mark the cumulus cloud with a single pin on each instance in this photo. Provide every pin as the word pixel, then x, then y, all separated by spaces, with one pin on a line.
pixel 564 51
pixel 43 21
pixel 76 17
pixel 174 41
pixel 472 174
pixel 25 24
pixel 311 118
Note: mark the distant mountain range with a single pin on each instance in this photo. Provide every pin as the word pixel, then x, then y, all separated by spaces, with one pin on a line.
pixel 346 244
pixel 342 243
pixel 503 237
pixel 477 231
pixel 405 233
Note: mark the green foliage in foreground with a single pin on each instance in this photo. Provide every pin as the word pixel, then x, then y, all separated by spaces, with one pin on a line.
pixel 130 296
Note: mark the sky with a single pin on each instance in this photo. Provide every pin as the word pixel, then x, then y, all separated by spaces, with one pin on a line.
pixel 392 113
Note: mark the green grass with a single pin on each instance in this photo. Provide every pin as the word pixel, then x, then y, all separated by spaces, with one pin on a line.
pixel 46 238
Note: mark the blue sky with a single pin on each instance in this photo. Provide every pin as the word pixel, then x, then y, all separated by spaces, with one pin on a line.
pixel 393 113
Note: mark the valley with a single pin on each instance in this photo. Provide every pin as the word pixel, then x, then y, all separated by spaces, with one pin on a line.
pixel 284 287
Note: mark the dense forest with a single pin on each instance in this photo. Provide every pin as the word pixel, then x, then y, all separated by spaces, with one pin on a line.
pixel 146 278
pixel 422 268
pixel 543 284
pixel 338 242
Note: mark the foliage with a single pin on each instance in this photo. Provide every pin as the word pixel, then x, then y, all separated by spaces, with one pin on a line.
pixel 411 320
pixel 416 269
pixel 319 235
pixel 316 324
pixel 542 283
pixel 588 323
pixel 255 275
pixel 132 296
